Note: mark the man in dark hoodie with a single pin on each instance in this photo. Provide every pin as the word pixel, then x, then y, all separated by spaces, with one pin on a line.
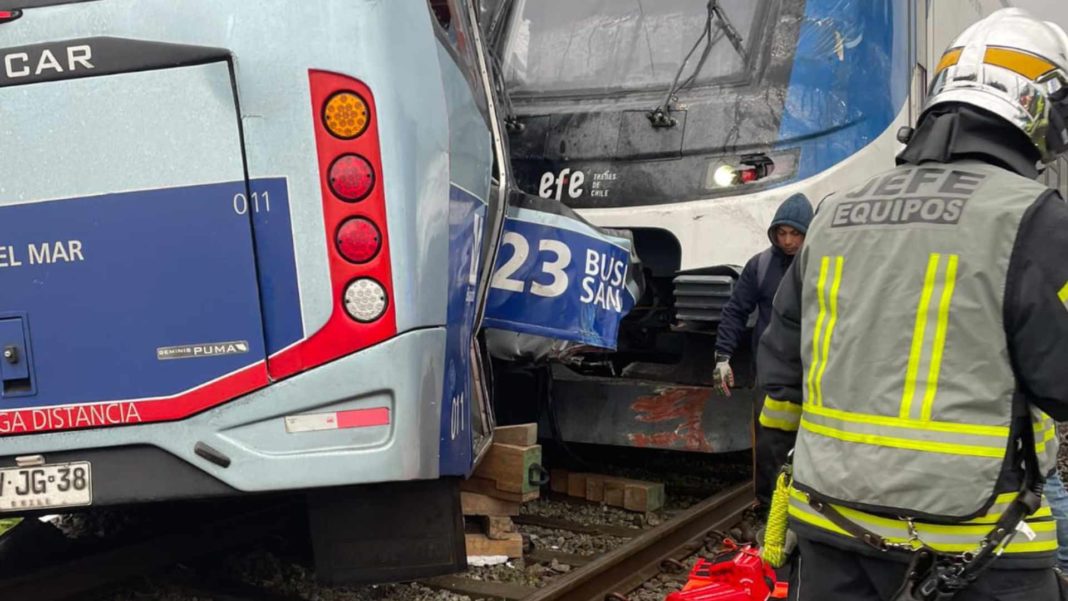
pixel 755 290
pixel 757 285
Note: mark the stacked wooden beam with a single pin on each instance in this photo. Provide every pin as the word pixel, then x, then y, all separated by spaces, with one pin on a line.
pixel 493 494
pixel 626 493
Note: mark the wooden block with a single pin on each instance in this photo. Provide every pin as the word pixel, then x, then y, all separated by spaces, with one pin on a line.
pixel 523 435
pixel 509 466
pixel 497 527
pixel 576 484
pixel 558 481
pixel 480 544
pixel 489 488
pixel 643 496
pixel 477 504
pixel 614 492
pixel 595 487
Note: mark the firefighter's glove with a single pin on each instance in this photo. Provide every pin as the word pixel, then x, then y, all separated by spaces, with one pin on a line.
pixel 722 376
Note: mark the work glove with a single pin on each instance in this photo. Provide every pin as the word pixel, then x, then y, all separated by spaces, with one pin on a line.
pixel 722 376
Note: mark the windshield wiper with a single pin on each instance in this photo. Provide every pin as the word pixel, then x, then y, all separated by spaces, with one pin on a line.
pixel 661 115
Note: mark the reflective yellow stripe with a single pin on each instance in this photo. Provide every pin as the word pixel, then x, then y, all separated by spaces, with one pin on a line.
pixel 836 283
pixel 949 59
pixel 918 334
pixel 780 415
pixel 947 538
pixel 778 424
pixel 970 527
pixel 820 284
pixel 1048 433
pixel 784 406
pixel 1062 294
pixel 902 443
pixel 914 424
pixel 1028 65
pixel 940 338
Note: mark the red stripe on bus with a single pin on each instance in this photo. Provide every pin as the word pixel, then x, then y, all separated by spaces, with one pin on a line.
pixel 363 418
pixel 140 411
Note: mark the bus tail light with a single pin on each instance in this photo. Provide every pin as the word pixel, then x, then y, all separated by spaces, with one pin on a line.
pixel 365 300
pixel 351 177
pixel 358 240
pixel 354 214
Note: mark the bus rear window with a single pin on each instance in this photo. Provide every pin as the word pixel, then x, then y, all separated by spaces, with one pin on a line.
pixel 560 47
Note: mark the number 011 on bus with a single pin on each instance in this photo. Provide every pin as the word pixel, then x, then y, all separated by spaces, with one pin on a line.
pixel 43 486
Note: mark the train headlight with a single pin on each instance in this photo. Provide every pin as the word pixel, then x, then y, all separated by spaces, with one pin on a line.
pixel 724 176
pixel 365 300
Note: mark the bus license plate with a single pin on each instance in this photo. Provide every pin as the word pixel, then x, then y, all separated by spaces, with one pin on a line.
pixel 45 486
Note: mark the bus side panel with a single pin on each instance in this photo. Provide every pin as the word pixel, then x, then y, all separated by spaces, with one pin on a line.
pixel 470 163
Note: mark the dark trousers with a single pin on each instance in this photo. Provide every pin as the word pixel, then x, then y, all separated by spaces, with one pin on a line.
pixel 826 573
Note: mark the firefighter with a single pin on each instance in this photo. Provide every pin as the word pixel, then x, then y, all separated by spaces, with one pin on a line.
pixel 917 347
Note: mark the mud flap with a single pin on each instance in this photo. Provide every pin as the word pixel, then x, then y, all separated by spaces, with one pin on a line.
pixel 387 532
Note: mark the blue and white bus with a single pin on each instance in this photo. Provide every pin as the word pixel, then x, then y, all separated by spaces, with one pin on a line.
pixel 687 122
pixel 242 250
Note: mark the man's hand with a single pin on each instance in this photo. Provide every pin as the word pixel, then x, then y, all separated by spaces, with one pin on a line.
pixel 722 376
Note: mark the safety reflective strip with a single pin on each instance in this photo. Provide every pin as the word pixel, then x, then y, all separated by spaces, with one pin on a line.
pixel 781 415
pixel 1028 65
pixel 1002 502
pixel 918 332
pixel 1062 294
pixel 820 285
pixel 946 538
pixel 1001 432
pixel 949 59
pixel 922 443
pixel 1047 431
pixel 835 284
pixel 940 337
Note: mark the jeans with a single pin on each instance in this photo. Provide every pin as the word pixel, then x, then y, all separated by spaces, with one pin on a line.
pixel 1057 498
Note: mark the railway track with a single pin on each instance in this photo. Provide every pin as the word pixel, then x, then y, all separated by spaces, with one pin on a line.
pixel 613 575
pixel 94 574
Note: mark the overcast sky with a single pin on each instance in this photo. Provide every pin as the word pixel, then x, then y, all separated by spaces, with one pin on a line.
pixel 1051 10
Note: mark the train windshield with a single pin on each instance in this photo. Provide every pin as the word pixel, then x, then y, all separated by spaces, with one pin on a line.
pixel 591 47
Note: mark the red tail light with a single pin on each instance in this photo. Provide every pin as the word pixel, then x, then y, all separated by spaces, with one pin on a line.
pixel 358 240
pixel 354 213
pixel 351 177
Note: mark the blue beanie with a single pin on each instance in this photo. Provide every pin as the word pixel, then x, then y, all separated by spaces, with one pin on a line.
pixel 795 212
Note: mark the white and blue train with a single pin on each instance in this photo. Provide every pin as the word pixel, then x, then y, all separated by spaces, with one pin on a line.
pixel 693 157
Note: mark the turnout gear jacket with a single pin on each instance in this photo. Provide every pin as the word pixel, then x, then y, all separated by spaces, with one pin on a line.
pixel 923 326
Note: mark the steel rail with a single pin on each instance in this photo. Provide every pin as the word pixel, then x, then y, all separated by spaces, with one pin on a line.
pixel 628 566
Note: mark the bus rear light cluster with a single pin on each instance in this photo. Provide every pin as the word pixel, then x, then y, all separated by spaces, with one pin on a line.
pixel 354 215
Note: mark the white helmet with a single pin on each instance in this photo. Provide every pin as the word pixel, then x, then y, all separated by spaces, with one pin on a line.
pixel 1016 67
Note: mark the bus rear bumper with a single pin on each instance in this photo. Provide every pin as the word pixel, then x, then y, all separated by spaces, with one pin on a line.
pixel 374 416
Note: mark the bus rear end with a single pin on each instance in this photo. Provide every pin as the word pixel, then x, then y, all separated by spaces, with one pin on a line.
pixel 220 235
